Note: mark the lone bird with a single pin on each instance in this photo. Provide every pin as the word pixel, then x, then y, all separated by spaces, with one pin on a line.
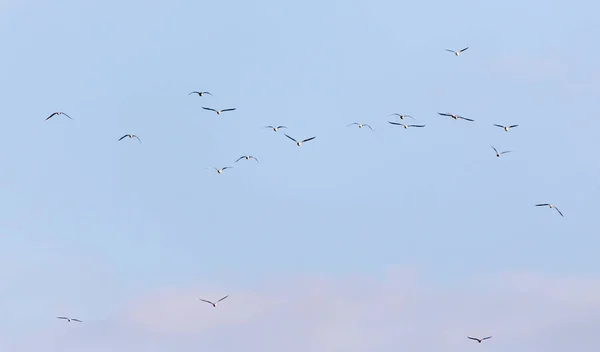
pixel 457 52
pixel 220 171
pixel 506 128
pixel 401 116
pixel 200 93
pixel 218 111
pixel 300 143
pixel 498 154
pixel 247 157
pixel 69 319
pixel 454 116
pixel 479 340
pixel 550 206
pixel 275 128
pixel 360 125
pixel 131 136
pixel 405 126
pixel 58 113
pixel 215 303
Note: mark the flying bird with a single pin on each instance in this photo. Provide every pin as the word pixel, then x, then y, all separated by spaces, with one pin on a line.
pixel 506 128
pixel 360 125
pixel 131 136
pixel 479 340
pixel 550 206
pixel 457 52
pixel 275 128
pixel 218 111
pixel 220 171
pixel 69 319
pixel 247 157
pixel 200 93
pixel 498 154
pixel 215 303
pixel 454 116
pixel 300 143
pixel 405 126
pixel 401 116
pixel 57 114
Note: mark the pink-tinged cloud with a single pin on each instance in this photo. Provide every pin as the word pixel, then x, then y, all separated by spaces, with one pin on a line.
pixel 523 312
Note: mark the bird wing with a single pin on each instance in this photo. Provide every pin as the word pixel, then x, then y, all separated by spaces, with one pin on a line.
pixel 353 123
pixel 452 51
pixel 494 149
pixel 416 125
pixel 506 151
pixel 211 109
pixel 542 205
pixel 222 298
pixel 395 114
pixel 396 123
pixel 485 338
pixel 269 127
pixel 226 167
pixel 561 214
pixel 123 137
pixel 444 114
pixel 464 118
pixel 240 158
pixel 194 92
pixel 62 318
pixel 203 300
pixel 67 115
pixel 206 93
pixel 499 126
pixel 138 138
pixel 473 338
pixel 253 157
pixel 281 127
pixel 77 320
pixel 512 126
pixel 463 49
pixel 409 116
pixel 370 127
pixel 291 138
pixel 309 139
pixel 230 109
pixel 47 118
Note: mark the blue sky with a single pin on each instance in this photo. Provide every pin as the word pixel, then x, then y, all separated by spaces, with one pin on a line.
pixel 91 224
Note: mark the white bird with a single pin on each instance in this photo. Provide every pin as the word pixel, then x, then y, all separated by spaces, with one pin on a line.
pixel 405 126
pixel 498 154
pixel 218 111
pixel 360 125
pixel 457 52
pixel 550 206
pixel 454 116
pixel 247 157
pixel 506 128
pixel 303 141
pixel 215 303
pixel 58 113
pixel 275 128
pixel 69 319
pixel 131 136
pixel 220 171
pixel 401 116
pixel 200 93
pixel 479 340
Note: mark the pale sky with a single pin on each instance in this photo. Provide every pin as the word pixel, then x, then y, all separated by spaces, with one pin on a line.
pixel 403 239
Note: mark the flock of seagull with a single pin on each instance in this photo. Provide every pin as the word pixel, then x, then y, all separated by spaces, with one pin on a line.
pixel 299 143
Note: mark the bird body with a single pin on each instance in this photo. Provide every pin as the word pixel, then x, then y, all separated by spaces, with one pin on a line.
pixel 214 304
pixel 550 206
pixel 218 111
pixel 303 141
pixel 479 340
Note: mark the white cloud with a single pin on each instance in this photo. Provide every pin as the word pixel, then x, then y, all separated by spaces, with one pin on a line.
pixel 523 312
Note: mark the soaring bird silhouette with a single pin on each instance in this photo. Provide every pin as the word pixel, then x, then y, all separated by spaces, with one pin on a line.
pixel 360 125
pixel 131 136
pixel 457 52
pixel 247 157
pixel 275 128
pixel 401 116
pixel 220 171
pixel 550 206
pixel 506 128
pixel 215 303
pixel 69 319
pixel 498 154
pixel 454 116
pixel 218 111
pixel 479 340
pixel 57 114
pixel 405 126
pixel 303 141
pixel 200 93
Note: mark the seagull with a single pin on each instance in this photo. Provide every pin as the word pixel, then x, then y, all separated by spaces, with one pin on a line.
pixel 58 113
pixel 550 206
pixel 401 116
pixel 479 340
pixel 218 111
pixel 506 128
pixel 200 93
pixel 300 143
pixel 457 52
pixel 220 171
pixel 275 128
pixel 213 304
pixel 69 319
pixel 498 154
pixel 360 125
pixel 247 157
pixel 131 136
pixel 405 126
pixel 454 116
